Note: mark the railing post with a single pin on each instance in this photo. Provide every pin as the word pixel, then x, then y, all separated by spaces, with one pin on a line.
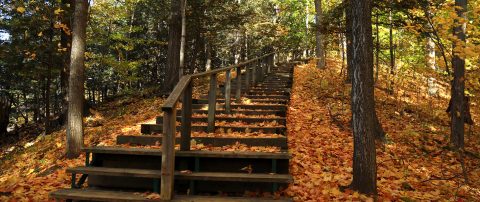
pixel 254 74
pixel 238 93
pixel 186 118
pixel 168 153
pixel 228 91
pixel 247 77
pixel 212 103
pixel 262 68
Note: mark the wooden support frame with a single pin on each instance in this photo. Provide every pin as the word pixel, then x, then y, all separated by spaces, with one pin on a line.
pixel 228 91
pixel 168 153
pixel 212 103
pixel 247 77
pixel 238 93
pixel 186 118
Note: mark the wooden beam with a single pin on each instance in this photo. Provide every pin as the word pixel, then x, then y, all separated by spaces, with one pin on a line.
pixel 212 103
pixel 168 156
pixel 238 93
pixel 186 119
pixel 228 91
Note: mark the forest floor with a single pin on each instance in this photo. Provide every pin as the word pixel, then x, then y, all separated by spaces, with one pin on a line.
pixel 414 164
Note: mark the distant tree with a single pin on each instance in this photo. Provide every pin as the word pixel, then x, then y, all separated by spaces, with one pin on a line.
pixel 457 108
pixel 5 107
pixel 76 89
pixel 363 103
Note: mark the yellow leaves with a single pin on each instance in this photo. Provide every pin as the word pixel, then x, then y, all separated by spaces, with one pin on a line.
pixel 63 27
pixel 21 9
pixel 40 34
pixel 58 11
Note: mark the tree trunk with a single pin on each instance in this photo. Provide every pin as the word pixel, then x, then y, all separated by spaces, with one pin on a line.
pixel 76 89
pixel 363 103
pixel 65 41
pixel 349 36
pixel 174 44
pixel 457 110
pixel 431 54
pixel 319 51
pixel 377 47
pixel 392 54
pixel 183 39
pixel 5 107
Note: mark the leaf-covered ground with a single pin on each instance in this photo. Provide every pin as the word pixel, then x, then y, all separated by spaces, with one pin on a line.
pixel 415 163
pixel 29 174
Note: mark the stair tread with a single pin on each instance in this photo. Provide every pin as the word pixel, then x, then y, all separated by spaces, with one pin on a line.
pixel 237 177
pixel 245 127
pixel 111 195
pixel 196 153
pixel 127 172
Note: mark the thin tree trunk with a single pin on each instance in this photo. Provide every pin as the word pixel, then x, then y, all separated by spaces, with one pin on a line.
pixel 183 39
pixel 392 54
pixel 348 31
pixel 320 49
pixel 377 47
pixel 5 107
pixel 76 81
pixel 363 103
pixel 457 110
pixel 431 54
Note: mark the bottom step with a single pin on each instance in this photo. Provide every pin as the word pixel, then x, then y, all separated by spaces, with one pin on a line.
pixel 107 195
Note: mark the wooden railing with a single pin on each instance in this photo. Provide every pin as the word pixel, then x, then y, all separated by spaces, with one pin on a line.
pixel 255 70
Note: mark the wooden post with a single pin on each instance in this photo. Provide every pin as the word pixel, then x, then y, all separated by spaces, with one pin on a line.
pixel 186 118
pixel 254 74
pixel 228 91
pixel 262 70
pixel 212 103
pixel 168 153
pixel 247 77
pixel 238 94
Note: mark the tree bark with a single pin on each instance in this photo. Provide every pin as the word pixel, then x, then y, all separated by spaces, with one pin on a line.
pixel 5 107
pixel 183 39
pixel 65 40
pixel 392 49
pixel 174 45
pixel 348 31
pixel 457 111
pixel 377 47
pixel 76 89
pixel 363 104
pixel 431 54
pixel 320 50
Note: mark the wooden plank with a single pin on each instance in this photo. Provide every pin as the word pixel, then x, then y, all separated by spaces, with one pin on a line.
pixel 279 120
pixel 235 177
pixel 147 140
pixel 244 106
pixel 245 112
pixel 90 194
pixel 168 156
pixel 196 153
pixel 157 128
pixel 186 118
pixel 123 172
pixel 212 105
pixel 228 91
pixel 238 91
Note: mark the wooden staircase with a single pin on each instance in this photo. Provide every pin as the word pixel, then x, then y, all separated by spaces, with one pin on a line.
pixel 218 170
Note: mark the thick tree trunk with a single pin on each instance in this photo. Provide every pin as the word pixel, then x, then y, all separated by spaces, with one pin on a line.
pixel 5 107
pixel 76 89
pixel 457 110
pixel 174 44
pixel 363 104
pixel 320 49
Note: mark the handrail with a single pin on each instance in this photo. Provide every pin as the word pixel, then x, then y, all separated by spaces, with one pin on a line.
pixel 183 82
pixel 184 88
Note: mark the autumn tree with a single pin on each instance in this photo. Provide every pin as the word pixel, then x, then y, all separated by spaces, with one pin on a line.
pixel 76 80
pixel 457 108
pixel 363 103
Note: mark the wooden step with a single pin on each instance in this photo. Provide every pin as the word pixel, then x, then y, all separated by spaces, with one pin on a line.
pixel 245 106
pixel 90 194
pixel 234 177
pixel 201 154
pixel 158 128
pixel 260 101
pixel 279 120
pixel 121 172
pixel 235 111
pixel 146 140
